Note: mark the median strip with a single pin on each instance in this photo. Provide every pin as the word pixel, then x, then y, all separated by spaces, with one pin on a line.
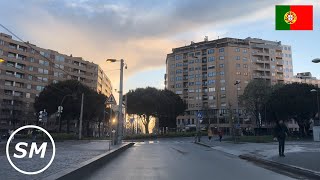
pixel 79 170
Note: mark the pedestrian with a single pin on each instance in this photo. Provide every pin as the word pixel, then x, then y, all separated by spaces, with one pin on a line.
pixel 220 135
pixel 210 133
pixel 34 134
pixel 281 132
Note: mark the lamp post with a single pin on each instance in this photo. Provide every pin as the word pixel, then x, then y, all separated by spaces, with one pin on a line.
pixel 120 119
pixel 316 60
pixel 317 91
pixel 237 84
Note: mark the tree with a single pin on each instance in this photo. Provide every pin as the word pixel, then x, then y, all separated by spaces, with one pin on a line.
pixel 171 105
pixel 151 102
pixel 52 95
pixel 255 97
pixel 293 101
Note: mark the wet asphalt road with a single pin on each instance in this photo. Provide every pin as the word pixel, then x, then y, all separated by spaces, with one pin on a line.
pixel 175 159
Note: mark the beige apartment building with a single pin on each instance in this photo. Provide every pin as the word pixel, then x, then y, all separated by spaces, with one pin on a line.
pixel 204 75
pixel 25 73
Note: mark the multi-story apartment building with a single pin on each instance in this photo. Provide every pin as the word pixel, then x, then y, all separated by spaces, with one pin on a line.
pixel 204 75
pixel 26 72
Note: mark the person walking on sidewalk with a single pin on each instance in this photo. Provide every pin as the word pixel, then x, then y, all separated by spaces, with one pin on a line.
pixel 220 135
pixel 281 132
pixel 210 133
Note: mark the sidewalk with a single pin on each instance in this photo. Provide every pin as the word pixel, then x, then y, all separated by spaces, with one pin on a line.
pixel 68 153
pixel 301 154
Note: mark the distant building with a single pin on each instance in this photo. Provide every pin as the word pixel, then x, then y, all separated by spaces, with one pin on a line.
pixel 25 73
pixel 304 77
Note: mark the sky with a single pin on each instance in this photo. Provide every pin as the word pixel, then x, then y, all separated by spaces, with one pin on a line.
pixel 143 32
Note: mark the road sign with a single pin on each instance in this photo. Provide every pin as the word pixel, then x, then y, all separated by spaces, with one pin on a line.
pixel 237 126
pixel 111 100
pixel 199 115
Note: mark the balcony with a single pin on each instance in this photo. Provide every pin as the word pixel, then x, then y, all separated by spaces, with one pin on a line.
pixel 257 68
pixel 261 76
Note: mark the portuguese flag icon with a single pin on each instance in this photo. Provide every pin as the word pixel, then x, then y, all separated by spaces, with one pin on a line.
pixel 294 17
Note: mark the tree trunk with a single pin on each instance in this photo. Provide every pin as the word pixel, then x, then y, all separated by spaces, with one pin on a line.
pixel 68 126
pixel 146 125
pixel 88 128
pixel 99 128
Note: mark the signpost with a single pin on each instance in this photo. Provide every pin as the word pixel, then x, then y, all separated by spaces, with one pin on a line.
pixel 111 100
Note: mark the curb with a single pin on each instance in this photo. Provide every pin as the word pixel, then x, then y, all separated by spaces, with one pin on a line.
pixel 289 168
pixel 80 170
pixel 202 144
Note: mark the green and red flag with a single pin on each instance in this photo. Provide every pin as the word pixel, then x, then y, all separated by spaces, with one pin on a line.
pixel 294 17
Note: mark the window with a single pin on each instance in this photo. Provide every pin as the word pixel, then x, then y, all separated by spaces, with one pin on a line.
pixel 178 92
pixel 237 57
pixel 27 95
pixel 221 65
pixel 198 83
pixel 60 66
pixel 191 69
pixel 178 71
pixel 29 86
pixel 211 59
pixel 223 96
pixel 1 52
pixel 191 83
pixel 19 75
pixel 178 57
pixel 191 76
pixel 238 65
pixel 210 51
pixel 223 88
pixel 211 74
pixel 222 81
pixel 60 74
pixel 237 49
pixel 31 59
pixel 30 68
pixel 238 73
pixel 221 50
pixel 222 73
pixel 212 89
pixel 221 57
pixel 211 97
pixel 59 58
pixel 178 85
pixel 211 67
pixel 29 77
pixel 244 51
pixel 8 83
pixel 244 59
pixel 178 78
pixel 191 91
pixel 42 62
pixel 39 88
pixel 191 61
pixel 245 66
pixel 1 42
pixel 246 74
pixel 211 81
pixel 9 73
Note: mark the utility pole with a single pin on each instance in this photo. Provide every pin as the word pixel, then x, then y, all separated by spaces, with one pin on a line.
pixel 81 116
pixel 120 119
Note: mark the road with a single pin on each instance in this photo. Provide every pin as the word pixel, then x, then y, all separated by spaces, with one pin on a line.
pixel 178 159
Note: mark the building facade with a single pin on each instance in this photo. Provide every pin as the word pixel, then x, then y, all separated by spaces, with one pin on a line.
pixel 204 74
pixel 26 72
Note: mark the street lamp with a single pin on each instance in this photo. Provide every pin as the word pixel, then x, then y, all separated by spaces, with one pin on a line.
pixel 120 119
pixel 237 84
pixel 316 60
pixel 317 91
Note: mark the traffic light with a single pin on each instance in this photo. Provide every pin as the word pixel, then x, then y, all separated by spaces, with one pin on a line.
pixel 43 116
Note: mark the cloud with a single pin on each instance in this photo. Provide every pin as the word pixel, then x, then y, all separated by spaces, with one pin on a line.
pixel 141 32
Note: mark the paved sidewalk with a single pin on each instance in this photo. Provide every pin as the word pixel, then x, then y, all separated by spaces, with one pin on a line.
pixel 67 154
pixel 301 154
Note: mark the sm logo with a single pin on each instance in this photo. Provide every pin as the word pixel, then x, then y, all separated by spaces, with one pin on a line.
pixel 22 149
